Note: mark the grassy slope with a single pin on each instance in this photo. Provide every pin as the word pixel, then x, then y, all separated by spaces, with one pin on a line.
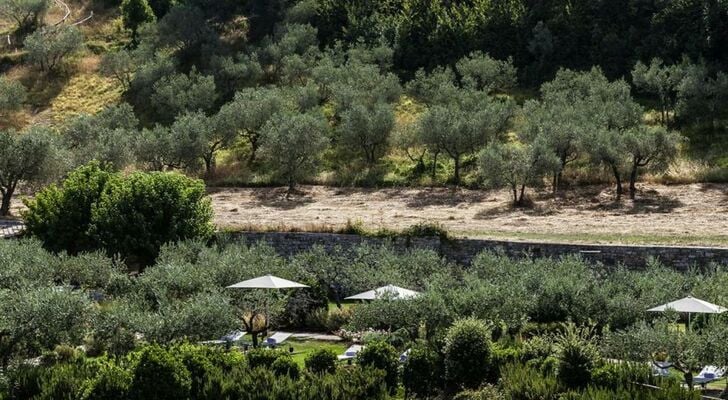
pixel 78 87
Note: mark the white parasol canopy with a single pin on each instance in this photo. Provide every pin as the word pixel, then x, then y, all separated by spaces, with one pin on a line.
pixel 690 305
pixel 267 282
pixel 389 291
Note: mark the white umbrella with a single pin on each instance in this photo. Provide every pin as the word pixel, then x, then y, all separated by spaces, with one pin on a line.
pixel 389 291
pixel 267 282
pixel 690 305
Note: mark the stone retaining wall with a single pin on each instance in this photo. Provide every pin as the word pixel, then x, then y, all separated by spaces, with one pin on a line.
pixel 464 250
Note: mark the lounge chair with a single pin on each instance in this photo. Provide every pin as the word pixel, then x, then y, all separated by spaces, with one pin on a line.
pixel 277 338
pixel 708 374
pixel 230 338
pixel 661 369
pixel 404 356
pixel 351 352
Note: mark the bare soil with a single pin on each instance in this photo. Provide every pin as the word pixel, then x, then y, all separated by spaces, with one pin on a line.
pixel 695 214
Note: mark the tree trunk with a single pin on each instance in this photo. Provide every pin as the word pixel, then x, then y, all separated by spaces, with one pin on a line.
pixel 434 165
pixel 457 170
pixel 253 148
pixel 209 164
pixel 514 190
pixel 632 181
pixel 521 197
pixel 5 204
pixel 618 179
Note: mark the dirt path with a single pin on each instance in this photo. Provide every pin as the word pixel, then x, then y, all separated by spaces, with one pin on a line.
pixel 682 214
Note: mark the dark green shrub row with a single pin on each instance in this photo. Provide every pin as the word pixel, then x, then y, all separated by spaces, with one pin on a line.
pixel 190 372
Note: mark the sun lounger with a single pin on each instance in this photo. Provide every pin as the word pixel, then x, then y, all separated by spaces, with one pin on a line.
pixel 231 337
pixel 661 369
pixel 708 374
pixel 404 356
pixel 351 352
pixel 277 338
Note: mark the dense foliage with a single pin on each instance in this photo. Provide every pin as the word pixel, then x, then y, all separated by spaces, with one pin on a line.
pixel 130 216
pixel 513 329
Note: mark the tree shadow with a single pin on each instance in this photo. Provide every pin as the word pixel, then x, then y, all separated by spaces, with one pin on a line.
pixel 444 196
pixel 645 202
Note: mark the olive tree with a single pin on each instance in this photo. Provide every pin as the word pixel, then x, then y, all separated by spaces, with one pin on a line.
pixel 367 130
pixel 293 143
pixel 459 130
pixel 662 81
pixel 27 14
pixel 248 113
pixel 23 158
pixel 47 48
pixel 120 65
pixel 608 107
pixel 12 95
pixel 482 72
pixel 33 320
pixel 649 147
pixel 179 93
pixel 108 136
pixel 561 126
pixel 517 166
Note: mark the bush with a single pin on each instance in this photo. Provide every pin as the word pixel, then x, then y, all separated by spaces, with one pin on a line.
pixel 111 383
pixel 61 216
pixel 136 215
pixel 484 393
pixel 61 382
pixel 197 361
pixel 577 355
pixel 321 361
pixel 263 357
pixel 422 373
pixel 158 375
pixel 381 355
pixel 467 354
pixel 521 382
pixel 285 366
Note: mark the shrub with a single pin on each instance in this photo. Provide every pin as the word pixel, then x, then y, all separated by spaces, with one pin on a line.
pixel 321 361
pixel 381 355
pixel 422 373
pixel 158 375
pixel 61 216
pixel 61 382
pixel 263 357
pixel 484 393
pixel 136 215
pixel 348 383
pixel 521 382
pixel 110 383
pixel 578 355
pixel 467 354
pixel 197 361
pixel 285 366
pixel 12 95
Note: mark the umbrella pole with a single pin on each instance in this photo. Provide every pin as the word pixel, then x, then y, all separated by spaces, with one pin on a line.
pixel 689 321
